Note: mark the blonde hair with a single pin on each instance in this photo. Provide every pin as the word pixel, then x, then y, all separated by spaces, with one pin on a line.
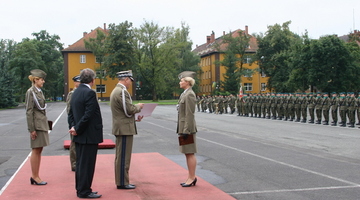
pixel 190 80
pixel 32 78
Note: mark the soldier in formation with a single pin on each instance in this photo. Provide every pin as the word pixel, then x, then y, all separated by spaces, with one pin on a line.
pixel 289 107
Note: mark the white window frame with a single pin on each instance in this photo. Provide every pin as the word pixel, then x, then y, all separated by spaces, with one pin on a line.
pixel 98 87
pixel 82 58
pixel 263 86
pixel 248 86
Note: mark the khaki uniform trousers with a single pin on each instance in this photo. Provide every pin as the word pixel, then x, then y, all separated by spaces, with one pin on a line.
pixel 72 151
pixel 123 150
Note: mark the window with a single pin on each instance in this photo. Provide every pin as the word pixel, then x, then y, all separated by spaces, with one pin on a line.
pixel 82 58
pixel 248 86
pixel 263 86
pixel 100 89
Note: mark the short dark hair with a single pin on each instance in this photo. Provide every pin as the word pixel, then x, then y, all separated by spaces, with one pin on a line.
pixel 87 75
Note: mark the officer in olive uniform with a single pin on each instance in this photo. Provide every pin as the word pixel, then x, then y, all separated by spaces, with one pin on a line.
pixel 279 106
pixel 318 107
pixel 291 106
pixel 351 109
pixel 297 107
pixel 334 108
pixel 343 109
pixel 72 150
pixel 267 106
pixel 263 105
pixel 326 103
pixel 304 107
pixel 246 105
pixel 232 100
pixel 311 106
pixel 285 106
pixel 209 102
pixel 273 105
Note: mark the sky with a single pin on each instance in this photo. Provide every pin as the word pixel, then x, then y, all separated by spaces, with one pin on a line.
pixel 70 18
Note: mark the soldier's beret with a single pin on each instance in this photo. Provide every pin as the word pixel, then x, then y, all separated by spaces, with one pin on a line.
pixel 38 73
pixel 187 74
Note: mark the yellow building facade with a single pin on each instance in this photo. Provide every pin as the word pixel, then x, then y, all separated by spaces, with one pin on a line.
pixel 77 57
pixel 213 74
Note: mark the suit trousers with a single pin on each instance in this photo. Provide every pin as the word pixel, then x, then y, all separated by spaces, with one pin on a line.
pixel 85 167
pixel 123 150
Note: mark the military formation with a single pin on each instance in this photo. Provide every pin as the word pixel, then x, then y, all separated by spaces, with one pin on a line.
pixel 313 108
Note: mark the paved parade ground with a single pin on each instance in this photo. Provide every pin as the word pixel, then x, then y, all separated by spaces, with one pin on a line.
pixel 239 157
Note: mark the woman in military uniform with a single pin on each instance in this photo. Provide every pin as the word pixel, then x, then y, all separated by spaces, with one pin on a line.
pixel 37 122
pixel 186 125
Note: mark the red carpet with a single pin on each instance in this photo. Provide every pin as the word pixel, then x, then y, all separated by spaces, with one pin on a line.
pixel 106 144
pixel 155 177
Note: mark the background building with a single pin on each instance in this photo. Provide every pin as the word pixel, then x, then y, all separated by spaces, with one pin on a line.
pixel 213 73
pixel 77 57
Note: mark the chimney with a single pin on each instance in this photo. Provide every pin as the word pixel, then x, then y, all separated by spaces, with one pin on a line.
pixel 212 39
pixel 104 26
pixel 84 34
pixel 207 39
pixel 246 30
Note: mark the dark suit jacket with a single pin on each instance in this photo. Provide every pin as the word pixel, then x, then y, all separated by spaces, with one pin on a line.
pixel 85 116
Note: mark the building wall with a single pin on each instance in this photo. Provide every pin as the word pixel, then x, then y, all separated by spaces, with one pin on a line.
pixel 74 66
pixel 212 73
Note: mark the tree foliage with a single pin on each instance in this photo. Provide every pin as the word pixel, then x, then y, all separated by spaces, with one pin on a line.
pixel 159 53
pixel 7 75
pixel 119 53
pixel 275 49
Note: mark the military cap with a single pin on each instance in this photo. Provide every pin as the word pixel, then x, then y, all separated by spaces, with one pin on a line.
pixel 76 78
pixel 325 93
pixel 125 74
pixel 342 92
pixel 38 73
pixel 333 93
pixel 187 74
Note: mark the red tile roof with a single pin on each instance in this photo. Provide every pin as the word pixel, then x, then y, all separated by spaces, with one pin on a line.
pixel 209 48
pixel 80 45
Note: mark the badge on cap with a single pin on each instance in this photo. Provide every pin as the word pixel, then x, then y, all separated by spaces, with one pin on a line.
pixel 125 74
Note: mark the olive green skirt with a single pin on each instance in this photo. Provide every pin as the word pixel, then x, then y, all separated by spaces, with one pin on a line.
pixel 189 148
pixel 41 140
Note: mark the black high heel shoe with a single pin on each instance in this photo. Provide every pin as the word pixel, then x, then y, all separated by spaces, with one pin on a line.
pixel 32 181
pixel 189 185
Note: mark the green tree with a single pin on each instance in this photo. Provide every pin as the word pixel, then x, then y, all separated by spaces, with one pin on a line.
pixel 299 63
pixel 273 55
pixel 25 58
pixel 97 47
pixel 49 47
pixel 7 76
pixel 119 53
pixel 157 53
pixel 331 65
pixel 235 53
pixel 187 60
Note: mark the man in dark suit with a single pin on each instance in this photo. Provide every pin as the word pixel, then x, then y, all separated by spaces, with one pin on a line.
pixel 87 129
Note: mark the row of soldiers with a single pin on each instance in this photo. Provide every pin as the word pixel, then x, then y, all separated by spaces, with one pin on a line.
pixel 289 106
